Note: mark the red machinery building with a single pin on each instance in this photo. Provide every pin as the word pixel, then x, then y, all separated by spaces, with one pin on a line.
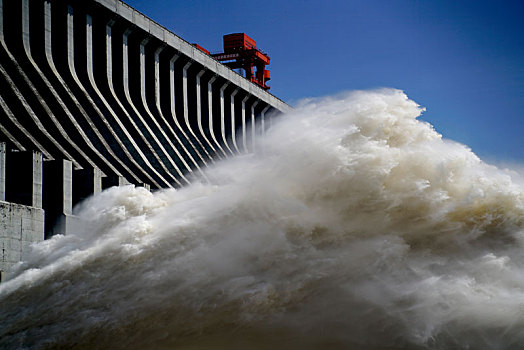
pixel 240 51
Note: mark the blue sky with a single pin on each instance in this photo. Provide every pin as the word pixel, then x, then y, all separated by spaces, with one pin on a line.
pixel 462 60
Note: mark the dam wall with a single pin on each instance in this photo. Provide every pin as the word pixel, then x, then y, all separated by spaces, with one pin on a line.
pixel 94 94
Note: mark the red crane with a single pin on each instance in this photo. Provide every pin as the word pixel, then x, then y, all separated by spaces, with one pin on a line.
pixel 240 51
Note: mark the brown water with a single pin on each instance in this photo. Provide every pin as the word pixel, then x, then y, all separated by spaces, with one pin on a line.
pixel 357 227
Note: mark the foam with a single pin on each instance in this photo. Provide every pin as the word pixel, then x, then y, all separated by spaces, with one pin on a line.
pixel 356 225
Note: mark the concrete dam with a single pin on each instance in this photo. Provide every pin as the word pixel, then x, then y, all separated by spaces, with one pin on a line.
pixel 94 94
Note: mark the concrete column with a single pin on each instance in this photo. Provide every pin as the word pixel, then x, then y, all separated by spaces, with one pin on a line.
pixel 2 171
pixel 184 93
pixel 199 115
pixel 198 100
pixel 253 126
pixel 25 24
pixel 37 180
pixel 172 85
pixel 223 117
pixel 143 44
pixel 125 62
pixel 244 141
pixel 263 120
pixel 199 104
pixel 157 77
pixel 233 126
pixel 210 115
pixel 58 197
pixel 109 53
pixel 24 178
pixel 89 46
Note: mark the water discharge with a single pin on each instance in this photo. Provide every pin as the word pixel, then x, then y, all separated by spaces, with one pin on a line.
pixel 358 227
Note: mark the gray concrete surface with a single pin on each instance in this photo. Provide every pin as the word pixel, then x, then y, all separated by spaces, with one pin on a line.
pixel 94 94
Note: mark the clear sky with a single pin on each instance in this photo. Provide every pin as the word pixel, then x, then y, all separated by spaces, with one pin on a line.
pixel 463 60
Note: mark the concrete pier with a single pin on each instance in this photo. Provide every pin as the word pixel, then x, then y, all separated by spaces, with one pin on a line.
pixel 58 196
pixel 94 94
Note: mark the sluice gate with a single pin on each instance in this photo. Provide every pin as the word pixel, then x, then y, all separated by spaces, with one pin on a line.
pixel 94 94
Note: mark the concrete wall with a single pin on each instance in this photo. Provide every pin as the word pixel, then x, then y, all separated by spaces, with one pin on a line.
pixel 94 94
pixel 20 226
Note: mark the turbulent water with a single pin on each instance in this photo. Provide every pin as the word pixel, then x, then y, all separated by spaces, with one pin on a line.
pixel 357 226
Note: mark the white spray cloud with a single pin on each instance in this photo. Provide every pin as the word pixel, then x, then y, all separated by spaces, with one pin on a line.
pixel 357 225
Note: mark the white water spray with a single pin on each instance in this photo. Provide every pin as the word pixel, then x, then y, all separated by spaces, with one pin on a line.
pixel 359 227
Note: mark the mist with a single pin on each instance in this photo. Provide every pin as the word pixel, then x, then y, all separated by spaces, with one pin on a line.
pixel 354 224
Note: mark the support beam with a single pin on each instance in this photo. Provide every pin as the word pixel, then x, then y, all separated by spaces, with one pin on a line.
pixel 199 114
pixel 233 126
pixel 244 141
pixel 253 127
pixel 265 125
pixel 210 115
pixel 223 117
